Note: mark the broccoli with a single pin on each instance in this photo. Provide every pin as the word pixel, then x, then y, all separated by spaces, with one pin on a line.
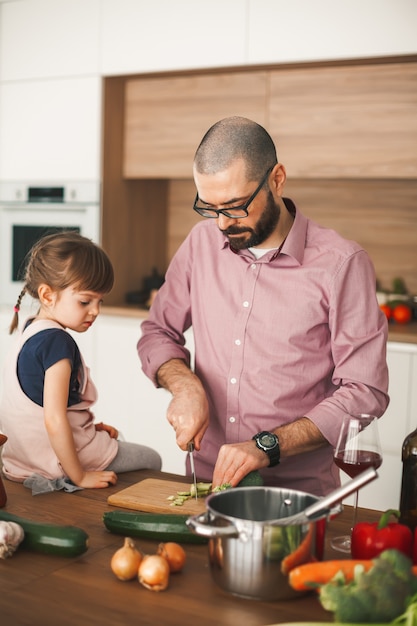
pixel 379 595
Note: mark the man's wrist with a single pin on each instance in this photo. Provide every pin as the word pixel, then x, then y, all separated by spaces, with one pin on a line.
pixel 269 443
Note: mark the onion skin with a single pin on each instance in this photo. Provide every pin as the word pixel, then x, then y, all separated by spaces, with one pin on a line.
pixel 154 572
pixel 126 560
pixel 174 554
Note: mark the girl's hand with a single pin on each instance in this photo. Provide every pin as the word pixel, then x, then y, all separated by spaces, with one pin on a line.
pixel 113 432
pixel 98 480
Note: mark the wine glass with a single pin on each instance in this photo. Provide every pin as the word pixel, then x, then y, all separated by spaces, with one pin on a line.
pixel 357 448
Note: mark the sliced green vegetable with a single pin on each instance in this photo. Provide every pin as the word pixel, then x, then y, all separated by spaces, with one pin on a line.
pixel 202 490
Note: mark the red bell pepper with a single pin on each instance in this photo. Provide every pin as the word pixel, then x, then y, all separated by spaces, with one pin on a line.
pixel 415 548
pixel 370 539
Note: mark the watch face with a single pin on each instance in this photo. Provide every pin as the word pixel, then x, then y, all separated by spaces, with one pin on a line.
pixel 268 440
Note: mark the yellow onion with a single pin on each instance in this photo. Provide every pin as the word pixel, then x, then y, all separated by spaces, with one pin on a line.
pixel 126 560
pixel 154 572
pixel 174 554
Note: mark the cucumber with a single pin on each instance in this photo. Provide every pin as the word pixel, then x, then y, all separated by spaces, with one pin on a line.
pixel 49 538
pixel 159 526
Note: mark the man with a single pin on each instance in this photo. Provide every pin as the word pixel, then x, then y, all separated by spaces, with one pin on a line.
pixel 287 330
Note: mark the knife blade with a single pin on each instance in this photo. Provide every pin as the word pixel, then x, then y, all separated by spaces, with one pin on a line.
pixel 190 449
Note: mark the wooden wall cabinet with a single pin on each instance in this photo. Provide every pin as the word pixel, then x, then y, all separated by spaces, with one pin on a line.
pixel 355 121
pixel 337 121
pixel 165 118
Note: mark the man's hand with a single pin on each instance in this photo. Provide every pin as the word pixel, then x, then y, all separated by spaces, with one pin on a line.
pixel 236 460
pixel 188 415
pixel 188 411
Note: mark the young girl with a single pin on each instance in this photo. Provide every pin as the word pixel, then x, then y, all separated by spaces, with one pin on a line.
pixel 47 392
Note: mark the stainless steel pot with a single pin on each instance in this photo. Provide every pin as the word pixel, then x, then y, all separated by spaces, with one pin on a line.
pixel 250 554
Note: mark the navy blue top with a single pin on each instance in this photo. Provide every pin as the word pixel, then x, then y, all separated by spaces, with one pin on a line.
pixel 42 351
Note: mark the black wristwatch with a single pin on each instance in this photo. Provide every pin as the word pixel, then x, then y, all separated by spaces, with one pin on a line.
pixel 269 443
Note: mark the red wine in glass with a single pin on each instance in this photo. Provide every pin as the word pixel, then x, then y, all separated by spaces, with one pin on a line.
pixel 357 449
pixel 363 460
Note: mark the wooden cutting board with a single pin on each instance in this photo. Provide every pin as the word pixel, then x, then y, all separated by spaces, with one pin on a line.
pixel 150 495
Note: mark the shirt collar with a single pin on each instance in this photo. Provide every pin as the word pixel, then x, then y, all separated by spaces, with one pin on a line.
pixel 295 243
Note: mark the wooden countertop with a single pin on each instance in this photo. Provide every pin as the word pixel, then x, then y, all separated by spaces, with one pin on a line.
pixel 43 590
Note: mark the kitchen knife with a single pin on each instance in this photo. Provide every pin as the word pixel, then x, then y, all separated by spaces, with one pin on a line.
pixel 190 448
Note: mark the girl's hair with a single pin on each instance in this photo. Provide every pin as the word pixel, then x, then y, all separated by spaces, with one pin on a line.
pixel 63 259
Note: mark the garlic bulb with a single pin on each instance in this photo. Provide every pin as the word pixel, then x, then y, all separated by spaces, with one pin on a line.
pixel 11 535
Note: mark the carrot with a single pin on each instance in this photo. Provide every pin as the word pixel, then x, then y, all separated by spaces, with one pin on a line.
pixel 300 555
pixel 311 575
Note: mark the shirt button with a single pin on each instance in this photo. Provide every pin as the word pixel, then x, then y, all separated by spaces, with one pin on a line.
pixel 253 266
pixel 233 381
pixel 237 342
pixel 246 304
pixel 232 419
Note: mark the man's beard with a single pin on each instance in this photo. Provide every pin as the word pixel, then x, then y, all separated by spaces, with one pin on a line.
pixel 263 229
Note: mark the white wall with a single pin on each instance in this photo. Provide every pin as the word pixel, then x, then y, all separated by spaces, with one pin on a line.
pixel 53 54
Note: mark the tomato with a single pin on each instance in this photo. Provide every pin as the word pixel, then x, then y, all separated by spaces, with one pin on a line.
pixel 387 310
pixel 402 314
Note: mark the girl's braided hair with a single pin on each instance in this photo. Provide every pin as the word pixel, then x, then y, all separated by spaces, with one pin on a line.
pixel 63 259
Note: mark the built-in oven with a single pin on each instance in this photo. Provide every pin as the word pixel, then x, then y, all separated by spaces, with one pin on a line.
pixel 30 211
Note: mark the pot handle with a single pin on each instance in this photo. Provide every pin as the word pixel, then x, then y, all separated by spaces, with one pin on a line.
pixel 200 525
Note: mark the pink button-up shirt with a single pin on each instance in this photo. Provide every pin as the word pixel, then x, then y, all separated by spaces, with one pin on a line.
pixel 293 334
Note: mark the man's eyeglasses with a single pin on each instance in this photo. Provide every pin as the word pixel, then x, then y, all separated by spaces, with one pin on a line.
pixel 233 212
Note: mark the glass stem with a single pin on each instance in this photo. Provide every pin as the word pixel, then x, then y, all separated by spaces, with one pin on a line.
pixel 355 509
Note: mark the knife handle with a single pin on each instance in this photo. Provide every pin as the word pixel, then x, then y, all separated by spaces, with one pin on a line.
pixel 190 446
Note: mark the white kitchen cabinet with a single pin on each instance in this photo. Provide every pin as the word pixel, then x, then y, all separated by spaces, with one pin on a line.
pixel 50 130
pixel 320 30
pixel 49 39
pixel 55 38
pixel 163 35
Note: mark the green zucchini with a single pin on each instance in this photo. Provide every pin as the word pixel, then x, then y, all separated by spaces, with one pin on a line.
pixel 159 526
pixel 253 479
pixel 49 538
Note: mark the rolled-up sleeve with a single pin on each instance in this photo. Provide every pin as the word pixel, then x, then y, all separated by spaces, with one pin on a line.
pixel 358 331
